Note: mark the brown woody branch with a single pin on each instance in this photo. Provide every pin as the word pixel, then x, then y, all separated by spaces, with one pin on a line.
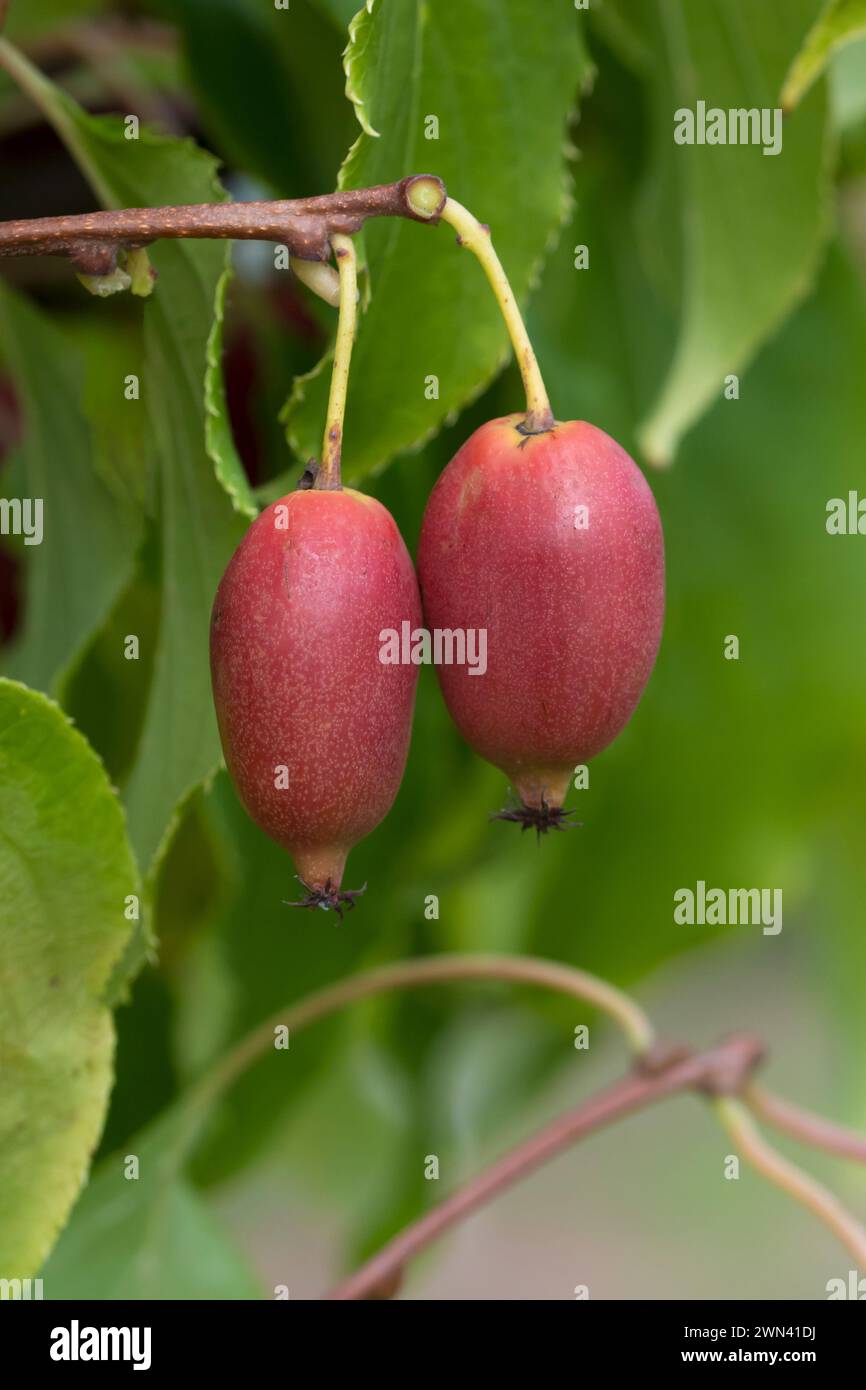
pixel 718 1071
pixel 723 1074
pixel 305 225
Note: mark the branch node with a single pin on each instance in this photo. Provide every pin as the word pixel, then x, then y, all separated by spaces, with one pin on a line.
pixel 723 1070
pixel 730 1066
pixel 660 1057
pixel 425 197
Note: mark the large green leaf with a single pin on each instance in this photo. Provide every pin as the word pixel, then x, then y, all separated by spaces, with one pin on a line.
pixel 752 224
pixel 839 22
pixel 501 77
pixel 179 745
pixel 66 870
pixel 199 526
pixel 91 531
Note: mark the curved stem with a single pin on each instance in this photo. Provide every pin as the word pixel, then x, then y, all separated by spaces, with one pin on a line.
pixel 411 974
pixel 804 1125
pixel 328 476
pixel 415 974
pixel 476 237
pixel 801 1186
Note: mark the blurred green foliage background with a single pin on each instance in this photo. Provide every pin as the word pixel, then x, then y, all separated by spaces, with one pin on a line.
pixel 555 127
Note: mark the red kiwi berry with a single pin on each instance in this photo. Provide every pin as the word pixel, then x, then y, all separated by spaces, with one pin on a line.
pixel 549 539
pixel 314 728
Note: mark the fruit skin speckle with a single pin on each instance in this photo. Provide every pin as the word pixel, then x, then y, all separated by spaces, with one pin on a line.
pixel 573 615
pixel 297 679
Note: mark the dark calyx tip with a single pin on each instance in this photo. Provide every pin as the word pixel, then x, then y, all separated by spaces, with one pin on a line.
pixel 329 897
pixel 538 818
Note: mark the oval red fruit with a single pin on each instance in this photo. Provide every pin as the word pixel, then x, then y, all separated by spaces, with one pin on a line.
pixel 551 542
pixel 314 728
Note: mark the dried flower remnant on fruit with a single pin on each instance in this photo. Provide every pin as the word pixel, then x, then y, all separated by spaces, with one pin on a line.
pixel 542 818
pixel 328 896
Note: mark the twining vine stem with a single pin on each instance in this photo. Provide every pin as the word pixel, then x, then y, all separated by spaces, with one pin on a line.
pixel 432 970
pixel 805 1189
pixel 722 1073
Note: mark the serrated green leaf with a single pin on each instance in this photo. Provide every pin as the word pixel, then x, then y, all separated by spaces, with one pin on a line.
pixel 91 533
pixel 839 22
pixel 753 225
pixel 66 869
pixel 500 146
pixel 199 526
